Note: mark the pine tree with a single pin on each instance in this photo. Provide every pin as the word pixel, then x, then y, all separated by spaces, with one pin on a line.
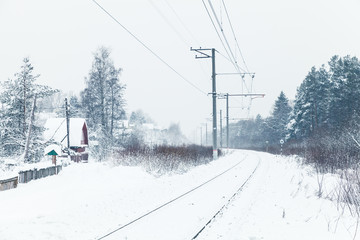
pixel 17 99
pixel 311 109
pixel 279 119
pixel 345 92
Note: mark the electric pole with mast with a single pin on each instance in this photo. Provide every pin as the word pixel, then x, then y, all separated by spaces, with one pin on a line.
pixel 67 126
pixel 226 96
pixel 221 130
pixel 203 54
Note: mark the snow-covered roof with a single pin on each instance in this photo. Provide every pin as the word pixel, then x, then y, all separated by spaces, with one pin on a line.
pixel 124 124
pixel 149 126
pixel 53 148
pixel 55 128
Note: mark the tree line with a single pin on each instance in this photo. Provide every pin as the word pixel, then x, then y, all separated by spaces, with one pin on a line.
pixel 101 103
pixel 322 123
pixel 17 97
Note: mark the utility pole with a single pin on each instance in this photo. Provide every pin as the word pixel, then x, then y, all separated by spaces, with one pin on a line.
pixel 206 135
pixel 226 96
pixel 227 121
pixel 215 150
pixel 221 130
pixel 214 96
pixel 67 126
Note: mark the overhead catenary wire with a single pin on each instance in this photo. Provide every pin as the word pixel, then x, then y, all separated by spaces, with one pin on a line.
pixel 181 21
pixel 237 100
pixel 232 56
pixel 246 73
pixel 216 30
pixel 188 31
pixel 169 23
pixel 227 48
pixel 233 32
pixel 239 49
pixel 218 34
pixel 251 86
pixel 174 28
pixel 148 48
pixel 222 42
pixel 223 55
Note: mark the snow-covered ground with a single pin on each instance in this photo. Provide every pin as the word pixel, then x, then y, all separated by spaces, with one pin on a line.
pixel 10 168
pixel 87 201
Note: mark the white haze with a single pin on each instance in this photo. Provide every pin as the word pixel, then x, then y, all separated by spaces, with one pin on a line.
pixel 280 40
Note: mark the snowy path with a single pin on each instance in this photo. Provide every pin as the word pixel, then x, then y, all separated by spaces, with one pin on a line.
pixel 87 201
pixel 186 216
pixel 279 203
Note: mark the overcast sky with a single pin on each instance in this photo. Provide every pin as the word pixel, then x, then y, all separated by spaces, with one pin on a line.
pixel 280 41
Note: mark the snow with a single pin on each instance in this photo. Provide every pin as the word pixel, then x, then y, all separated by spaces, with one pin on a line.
pixel 14 169
pixel 87 201
pixel 53 147
pixel 282 206
pixel 55 128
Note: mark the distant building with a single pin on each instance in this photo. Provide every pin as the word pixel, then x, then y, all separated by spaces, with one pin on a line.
pixel 154 135
pixel 56 132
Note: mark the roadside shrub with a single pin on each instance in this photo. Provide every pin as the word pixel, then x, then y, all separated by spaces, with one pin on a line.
pixel 328 153
pixel 162 159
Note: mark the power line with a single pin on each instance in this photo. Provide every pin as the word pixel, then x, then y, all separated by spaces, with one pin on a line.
pixel 145 46
pixel 181 22
pixel 228 50
pixel 238 47
pixel 168 22
pixel 187 29
pixel 221 54
pixel 242 74
pixel 233 32
pixel 224 56
pixel 174 28
pixel 224 36
pixel 217 32
pixel 222 42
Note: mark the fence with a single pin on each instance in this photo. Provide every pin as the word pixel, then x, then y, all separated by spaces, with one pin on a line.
pixel 27 176
pixel 8 183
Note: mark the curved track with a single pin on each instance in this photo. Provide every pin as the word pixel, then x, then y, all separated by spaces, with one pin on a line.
pixel 228 202
pixel 191 203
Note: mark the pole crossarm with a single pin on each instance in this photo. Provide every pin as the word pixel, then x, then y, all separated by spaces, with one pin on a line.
pixel 200 50
pixel 238 119
pixel 252 95
pixel 226 96
pixel 241 73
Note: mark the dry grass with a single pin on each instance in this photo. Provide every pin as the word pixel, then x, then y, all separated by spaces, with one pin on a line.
pixel 163 159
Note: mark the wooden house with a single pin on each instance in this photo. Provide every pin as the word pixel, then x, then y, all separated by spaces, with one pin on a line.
pixel 56 132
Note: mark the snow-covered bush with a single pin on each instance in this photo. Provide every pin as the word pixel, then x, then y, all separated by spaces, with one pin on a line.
pixel 162 159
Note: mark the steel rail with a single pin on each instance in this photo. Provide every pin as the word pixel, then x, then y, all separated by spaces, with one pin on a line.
pixel 171 201
pixel 227 203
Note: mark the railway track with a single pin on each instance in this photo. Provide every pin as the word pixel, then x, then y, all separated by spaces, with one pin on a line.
pixel 228 202
pixel 147 214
